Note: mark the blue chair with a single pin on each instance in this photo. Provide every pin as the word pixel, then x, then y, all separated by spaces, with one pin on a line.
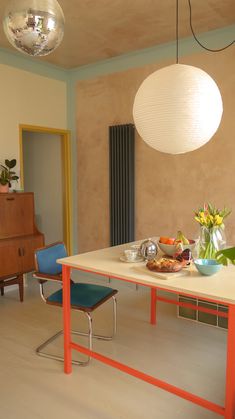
pixel 84 297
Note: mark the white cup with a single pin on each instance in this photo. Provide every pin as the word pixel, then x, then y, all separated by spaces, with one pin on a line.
pixel 131 254
pixel 136 247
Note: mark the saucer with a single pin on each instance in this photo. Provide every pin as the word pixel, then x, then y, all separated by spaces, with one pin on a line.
pixel 138 259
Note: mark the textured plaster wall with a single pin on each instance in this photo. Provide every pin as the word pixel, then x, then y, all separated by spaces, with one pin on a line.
pixel 168 188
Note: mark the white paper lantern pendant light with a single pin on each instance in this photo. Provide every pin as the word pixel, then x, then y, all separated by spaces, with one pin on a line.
pixel 178 108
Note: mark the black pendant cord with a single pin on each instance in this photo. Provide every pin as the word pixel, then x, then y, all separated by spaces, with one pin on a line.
pixel 196 39
pixel 177 31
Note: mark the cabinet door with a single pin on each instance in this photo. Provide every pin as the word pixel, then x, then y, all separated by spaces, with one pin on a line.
pixel 10 257
pixel 16 214
pixel 28 246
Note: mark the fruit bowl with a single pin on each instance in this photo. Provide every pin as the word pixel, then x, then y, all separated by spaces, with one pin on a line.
pixel 170 249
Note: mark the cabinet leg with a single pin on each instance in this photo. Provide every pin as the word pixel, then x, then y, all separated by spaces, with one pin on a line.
pixel 2 287
pixel 21 287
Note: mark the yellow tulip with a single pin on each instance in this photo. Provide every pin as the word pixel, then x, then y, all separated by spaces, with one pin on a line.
pixel 218 219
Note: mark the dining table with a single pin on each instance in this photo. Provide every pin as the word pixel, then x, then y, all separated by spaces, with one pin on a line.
pixel 219 289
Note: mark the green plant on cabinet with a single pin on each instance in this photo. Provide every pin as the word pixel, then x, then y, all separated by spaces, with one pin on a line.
pixel 7 175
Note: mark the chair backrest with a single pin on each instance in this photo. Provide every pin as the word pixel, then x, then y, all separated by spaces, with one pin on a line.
pixel 45 258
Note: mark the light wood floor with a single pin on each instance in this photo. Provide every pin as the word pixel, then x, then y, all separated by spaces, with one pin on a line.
pixel 178 351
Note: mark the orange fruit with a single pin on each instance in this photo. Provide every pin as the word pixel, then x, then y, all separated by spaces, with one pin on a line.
pixel 163 239
pixel 170 241
pixel 166 240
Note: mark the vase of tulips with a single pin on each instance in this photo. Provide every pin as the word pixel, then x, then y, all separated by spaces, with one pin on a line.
pixel 212 236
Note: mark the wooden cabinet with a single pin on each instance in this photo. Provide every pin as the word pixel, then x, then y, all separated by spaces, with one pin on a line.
pixel 17 254
pixel 19 236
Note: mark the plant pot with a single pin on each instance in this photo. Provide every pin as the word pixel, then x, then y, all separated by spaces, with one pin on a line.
pixel 4 188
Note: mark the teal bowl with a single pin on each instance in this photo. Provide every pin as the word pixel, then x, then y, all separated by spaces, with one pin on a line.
pixel 207 266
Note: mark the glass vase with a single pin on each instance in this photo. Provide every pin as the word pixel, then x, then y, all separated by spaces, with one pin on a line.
pixel 210 241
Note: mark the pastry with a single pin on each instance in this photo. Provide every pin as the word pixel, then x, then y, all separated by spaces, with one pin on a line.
pixel 165 265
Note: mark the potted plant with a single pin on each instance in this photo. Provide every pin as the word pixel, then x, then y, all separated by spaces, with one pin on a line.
pixel 7 175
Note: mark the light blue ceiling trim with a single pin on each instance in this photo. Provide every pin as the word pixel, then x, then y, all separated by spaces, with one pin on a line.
pixel 33 65
pixel 213 39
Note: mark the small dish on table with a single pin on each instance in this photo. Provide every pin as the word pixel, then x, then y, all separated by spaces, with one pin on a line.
pixel 207 267
pixel 137 259
pixel 131 255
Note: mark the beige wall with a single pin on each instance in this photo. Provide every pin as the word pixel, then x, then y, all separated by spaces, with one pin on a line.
pixel 31 99
pixel 168 188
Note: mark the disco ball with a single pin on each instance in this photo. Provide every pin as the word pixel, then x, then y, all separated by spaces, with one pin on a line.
pixel 34 27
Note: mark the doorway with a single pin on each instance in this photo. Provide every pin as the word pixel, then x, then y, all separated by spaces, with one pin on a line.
pixel 45 169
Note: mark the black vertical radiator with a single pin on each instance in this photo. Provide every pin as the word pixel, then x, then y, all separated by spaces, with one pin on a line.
pixel 122 182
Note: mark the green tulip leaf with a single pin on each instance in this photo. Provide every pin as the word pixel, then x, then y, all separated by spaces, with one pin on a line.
pixel 225 256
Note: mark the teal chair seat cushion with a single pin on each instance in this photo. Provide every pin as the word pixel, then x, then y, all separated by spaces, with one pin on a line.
pixel 83 296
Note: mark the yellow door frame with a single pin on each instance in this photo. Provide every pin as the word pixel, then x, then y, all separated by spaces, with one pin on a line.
pixel 66 175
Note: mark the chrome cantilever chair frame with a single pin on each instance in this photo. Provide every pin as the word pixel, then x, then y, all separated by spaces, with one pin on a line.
pixel 42 278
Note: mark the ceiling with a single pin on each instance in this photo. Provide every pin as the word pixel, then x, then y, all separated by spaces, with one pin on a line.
pixel 96 30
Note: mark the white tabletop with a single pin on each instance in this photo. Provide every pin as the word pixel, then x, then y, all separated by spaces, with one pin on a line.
pixel 220 287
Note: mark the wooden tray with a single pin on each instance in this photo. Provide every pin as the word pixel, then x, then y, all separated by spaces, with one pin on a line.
pixel 163 275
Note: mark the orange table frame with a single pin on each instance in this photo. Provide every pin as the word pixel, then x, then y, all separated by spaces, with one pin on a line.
pixel 226 411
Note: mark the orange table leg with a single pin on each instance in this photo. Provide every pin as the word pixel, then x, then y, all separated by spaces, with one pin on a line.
pixel 230 372
pixel 67 319
pixel 153 306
